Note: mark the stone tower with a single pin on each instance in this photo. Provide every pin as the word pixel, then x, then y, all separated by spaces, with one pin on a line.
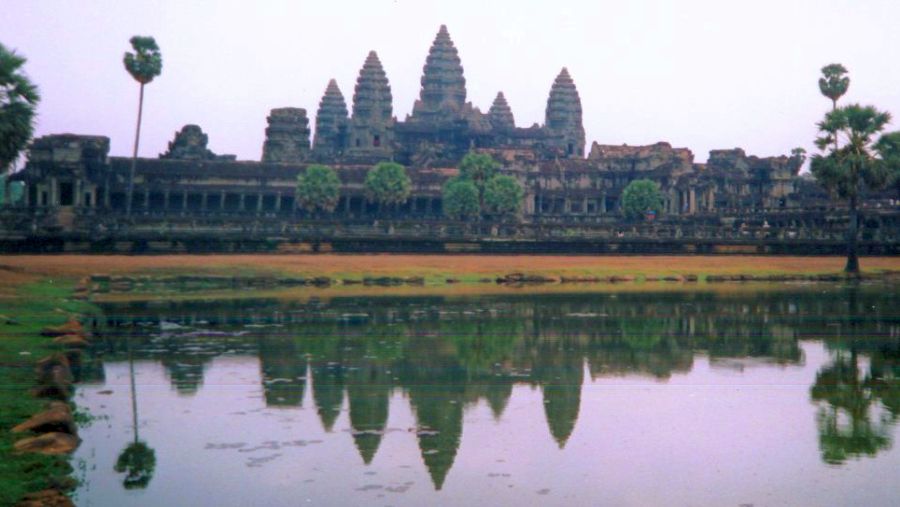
pixel 500 115
pixel 287 136
pixel 443 93
pixel 332 123
pixel 563 116
pixel 372 125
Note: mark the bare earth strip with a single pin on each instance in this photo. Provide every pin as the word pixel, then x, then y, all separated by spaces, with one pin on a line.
pixel 18 268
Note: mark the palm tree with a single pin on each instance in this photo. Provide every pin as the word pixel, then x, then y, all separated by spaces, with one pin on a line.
pixel 143 65
pixel 834 82
pixel 18 100
pixel 862 162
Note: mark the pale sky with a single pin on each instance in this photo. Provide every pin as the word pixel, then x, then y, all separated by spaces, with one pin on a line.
pixel 702 74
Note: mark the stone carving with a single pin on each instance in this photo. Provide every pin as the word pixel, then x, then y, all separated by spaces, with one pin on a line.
pixel 287 136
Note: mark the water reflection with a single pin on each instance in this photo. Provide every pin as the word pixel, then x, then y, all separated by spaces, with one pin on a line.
pixel 138 460
pixel 446 354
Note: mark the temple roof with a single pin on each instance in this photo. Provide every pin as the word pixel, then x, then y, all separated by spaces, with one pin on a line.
pixel 372 100
pixel 564 104
pixel 332 113
pixel 443 84
pixel 500 114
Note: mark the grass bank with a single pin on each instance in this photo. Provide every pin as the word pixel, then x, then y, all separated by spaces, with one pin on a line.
pixel 26 306
pixel 435 269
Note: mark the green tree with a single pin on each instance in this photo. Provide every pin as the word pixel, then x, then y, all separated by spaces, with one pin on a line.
pixel 461 199
pixel 640 197
pixel 143 65
pixel 18 102
pixel 834 82
pixel 388 184
pixel 503 195
pixel 479 168
pixel 318 189
pixel 862 162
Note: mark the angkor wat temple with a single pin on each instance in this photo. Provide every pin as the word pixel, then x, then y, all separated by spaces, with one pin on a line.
pixel 191 198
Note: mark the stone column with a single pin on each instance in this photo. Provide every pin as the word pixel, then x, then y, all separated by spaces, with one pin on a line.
pixel 603 204
pixel 78 198
pixel 222 201
pixel 259 202
pixel 54 193
pixel 241 203
pixel 203 202
pixel 166 200
pixel 278 202
pixel 693 201
pixel 184 199
pixel 146 198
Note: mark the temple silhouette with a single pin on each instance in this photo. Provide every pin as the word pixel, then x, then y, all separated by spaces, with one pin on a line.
pixel 75 194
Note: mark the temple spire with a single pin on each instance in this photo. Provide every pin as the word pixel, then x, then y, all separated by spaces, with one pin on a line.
pixel 500 115
pixel 331 122
pixel 372 122
pixel 563 115
pixel 443 92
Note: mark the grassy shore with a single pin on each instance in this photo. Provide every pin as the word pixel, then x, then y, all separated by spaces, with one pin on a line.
pixel 436 269
pixel 26 306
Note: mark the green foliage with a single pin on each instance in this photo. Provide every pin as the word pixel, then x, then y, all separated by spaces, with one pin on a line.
pixel 146 61
pixel 479 168
pixel 641 196
pixel 388 184
pixel 461 199
pixel 318 189
pixel 834 82
pixel 503 195
pixel 138 462
pixel 18 103
pixel 862 161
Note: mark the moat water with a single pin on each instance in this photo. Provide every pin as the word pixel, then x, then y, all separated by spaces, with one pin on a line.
pixel 779 396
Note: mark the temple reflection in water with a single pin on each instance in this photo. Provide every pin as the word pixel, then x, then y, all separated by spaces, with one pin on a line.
pixel 447 354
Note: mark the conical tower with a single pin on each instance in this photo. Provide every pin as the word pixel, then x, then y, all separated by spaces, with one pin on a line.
pixel 500 115
pixel 372 122
pixel 563 116
pixel 443 93
pixel 332 122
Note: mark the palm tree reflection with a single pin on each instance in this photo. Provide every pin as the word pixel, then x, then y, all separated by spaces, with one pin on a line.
pixel 137 460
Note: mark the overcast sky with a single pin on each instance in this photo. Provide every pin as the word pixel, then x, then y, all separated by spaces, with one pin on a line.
pixel 702 74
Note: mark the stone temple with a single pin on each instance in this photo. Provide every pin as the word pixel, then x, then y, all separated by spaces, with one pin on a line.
pixel 191 198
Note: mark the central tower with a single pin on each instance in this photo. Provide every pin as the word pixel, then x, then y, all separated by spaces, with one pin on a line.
pixel 443 93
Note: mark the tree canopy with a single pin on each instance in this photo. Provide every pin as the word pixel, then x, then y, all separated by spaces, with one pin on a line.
pixel 503 195
pixel 461 199
pixel 318 189
pixel 388 184
pixel 146 61
pixel 18 102
pixel 640 197
pixel 478 168
pixel 834 82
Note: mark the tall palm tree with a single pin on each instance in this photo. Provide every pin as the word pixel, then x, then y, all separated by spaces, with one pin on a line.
pixel 18 100
pixel 834 82
pixel 143 65
pixel 861 162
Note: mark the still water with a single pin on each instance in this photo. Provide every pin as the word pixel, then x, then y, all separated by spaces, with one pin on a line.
pixel 787 396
